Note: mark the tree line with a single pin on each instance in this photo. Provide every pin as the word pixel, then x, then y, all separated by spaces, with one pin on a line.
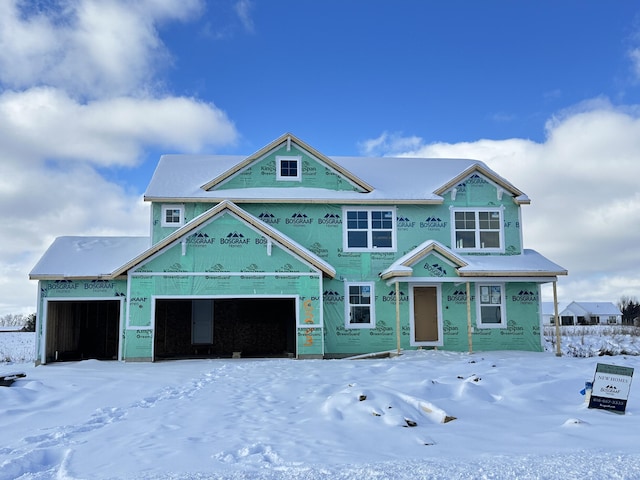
pixel 630 308
pixel 27 322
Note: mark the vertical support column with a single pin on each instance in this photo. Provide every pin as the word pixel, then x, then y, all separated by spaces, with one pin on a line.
pixel 469 328
pixel 557 318
pixel 398 316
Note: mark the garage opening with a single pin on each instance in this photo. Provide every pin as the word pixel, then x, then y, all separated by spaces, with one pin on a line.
pixel 78 330
pixel 252 327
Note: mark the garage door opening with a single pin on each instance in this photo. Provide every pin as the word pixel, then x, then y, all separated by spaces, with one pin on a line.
pixel 78 330
pixel 254 327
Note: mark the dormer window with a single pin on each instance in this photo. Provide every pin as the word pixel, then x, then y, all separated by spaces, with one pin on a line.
pixel 289 168
pixel 477 229
pixel 172 215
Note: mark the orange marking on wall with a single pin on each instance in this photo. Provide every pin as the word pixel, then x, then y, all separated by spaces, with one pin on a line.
pixel 308 311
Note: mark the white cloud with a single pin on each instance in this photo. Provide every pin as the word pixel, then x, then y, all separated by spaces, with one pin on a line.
pixel 46 123
pixel 47 202
pixel 389 143
pixel 583 182
pixel 77 83
pixel 91 48
pixel 243 10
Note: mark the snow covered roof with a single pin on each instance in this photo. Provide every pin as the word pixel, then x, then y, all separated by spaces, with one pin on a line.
pixel 582 308
pixel 278 237
pixel 109 257
pixel 528 264
pixel 87 257
pixel 548 308
pixel 594 308
pixel 383 179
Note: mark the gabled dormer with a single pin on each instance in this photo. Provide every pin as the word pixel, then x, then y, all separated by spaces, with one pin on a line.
pixel 471 186
pixel 484 212
pixel 288 162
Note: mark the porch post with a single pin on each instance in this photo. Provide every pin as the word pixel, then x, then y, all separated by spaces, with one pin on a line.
pixel 398 316
pixel 469 329
pixel 557 318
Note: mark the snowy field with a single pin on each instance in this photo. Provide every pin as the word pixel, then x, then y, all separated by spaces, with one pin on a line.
pixel 517 415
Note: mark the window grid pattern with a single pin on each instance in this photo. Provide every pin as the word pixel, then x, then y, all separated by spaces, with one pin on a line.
pixel 172 215
pixel 491 304
pixel 359 304
pixel 369 229
pixel 288 168
pixel 477 229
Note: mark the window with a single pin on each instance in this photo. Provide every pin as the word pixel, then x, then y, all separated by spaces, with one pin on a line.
pixel 172 215
pixel 369 229
pixel 477 229
pixel 360 313
pixel 490 306
pixel 289 168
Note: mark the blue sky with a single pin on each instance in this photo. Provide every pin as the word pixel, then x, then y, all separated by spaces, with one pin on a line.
pixel 546 92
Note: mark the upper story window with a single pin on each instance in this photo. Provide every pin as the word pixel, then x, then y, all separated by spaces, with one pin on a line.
pixel 172 215
pixel 360 312
pixel 289 168
pixel 478 229
pixel 369 229
pixel 491 308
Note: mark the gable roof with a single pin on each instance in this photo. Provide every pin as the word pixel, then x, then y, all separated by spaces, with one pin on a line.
pixel 485 171
pixel 287 139
pixel 227 206
pixel 403 267
pixel 190 178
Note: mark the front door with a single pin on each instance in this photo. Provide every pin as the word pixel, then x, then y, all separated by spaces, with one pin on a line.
pixel 425 316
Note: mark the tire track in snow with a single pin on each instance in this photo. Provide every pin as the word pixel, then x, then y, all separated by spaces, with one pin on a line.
pixel 46 455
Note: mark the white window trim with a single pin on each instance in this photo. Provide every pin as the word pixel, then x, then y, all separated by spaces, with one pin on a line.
pixel 163 215
pixel 345 230
pixel 347 306
pixel 297 159
pixel 503 309
pixel 500 210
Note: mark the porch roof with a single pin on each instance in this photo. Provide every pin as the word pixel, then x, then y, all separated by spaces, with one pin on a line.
pixel 528 264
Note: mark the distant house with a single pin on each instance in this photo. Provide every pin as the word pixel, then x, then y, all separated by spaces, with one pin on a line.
pixel 291 253
pixel 583 313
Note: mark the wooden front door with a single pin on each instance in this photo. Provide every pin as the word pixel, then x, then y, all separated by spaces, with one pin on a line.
pixel 425 314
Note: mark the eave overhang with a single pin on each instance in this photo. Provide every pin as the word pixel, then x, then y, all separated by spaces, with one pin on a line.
pixel 349 201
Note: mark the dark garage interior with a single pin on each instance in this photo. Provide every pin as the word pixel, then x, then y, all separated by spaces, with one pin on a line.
pixel 218 328
pixel 78 330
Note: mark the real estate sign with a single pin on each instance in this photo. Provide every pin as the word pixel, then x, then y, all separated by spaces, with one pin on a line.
pixel 611 386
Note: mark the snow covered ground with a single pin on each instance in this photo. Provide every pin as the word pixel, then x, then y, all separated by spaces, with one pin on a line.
pixel 517 415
